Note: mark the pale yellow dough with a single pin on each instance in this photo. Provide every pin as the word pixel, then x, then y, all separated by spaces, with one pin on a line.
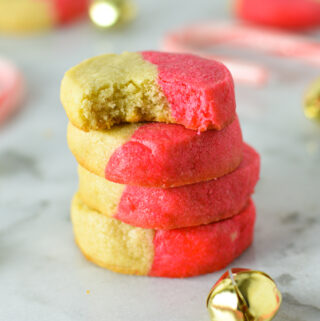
pixel 111 89
pixel 93 149
pixel 110 243
pixel 22 16
pixel 99 193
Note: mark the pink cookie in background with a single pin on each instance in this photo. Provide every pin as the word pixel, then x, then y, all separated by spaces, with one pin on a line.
pixel 191 205
pixel 11 89
pixel 166 155
pixel 203 249
pixel 287 14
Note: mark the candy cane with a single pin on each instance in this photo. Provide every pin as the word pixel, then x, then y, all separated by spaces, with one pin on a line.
pixel 268 41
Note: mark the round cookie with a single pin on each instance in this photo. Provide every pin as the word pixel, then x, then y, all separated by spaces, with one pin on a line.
pixel 288 14
pixel 19 16
pixel 149 86
pixel 171 208
pixel 157 154
pixel 176 253
pixel 11 89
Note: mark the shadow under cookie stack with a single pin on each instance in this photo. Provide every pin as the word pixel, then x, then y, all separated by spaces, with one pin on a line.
pixel 165 179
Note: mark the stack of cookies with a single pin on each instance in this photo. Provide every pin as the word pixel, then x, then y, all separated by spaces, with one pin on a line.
pixel 165 179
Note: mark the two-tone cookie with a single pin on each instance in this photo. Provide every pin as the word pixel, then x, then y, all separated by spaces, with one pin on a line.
pixel 149 86
pixel 171 208
pixel 185 252
pixel 20 16
pixel 157 154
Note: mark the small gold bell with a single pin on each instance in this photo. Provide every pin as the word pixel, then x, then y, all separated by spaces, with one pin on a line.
pixel 312 101
pixel 244 295
pixel 108 13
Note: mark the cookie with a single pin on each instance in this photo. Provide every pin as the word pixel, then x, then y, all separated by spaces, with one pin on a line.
pixel 19 16
pixel 157 154
pixel 171 208
pixel 11 89
pixel 149 86
pixel 186 252
pixel 288 14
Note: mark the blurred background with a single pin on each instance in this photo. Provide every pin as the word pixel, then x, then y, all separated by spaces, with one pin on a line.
pixel 42 274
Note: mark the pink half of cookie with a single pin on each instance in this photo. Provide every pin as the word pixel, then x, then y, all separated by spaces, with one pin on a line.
pixel 204 249
pixel 167 155
pixel 67 10
pixel 290 14
pixel 200 91
pixel 11 89
pixel 191 205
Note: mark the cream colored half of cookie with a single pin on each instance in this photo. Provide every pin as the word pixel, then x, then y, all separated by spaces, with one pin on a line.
pixel 22 16
pixel 110 243
pixel 111 89
pixel 99 193
pixel 93 149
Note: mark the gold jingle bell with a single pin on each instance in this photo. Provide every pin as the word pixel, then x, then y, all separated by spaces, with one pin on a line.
pixel 312 102
pixel 244 295
pixel 108 13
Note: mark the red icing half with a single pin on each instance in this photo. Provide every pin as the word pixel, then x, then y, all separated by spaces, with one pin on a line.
pixel 289 14
pixel 204 249
pixel 191 205
pixel 199 91
pixel 67 10
pixel 167 155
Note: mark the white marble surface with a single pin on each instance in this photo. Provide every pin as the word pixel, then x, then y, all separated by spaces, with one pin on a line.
pixel 42 274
